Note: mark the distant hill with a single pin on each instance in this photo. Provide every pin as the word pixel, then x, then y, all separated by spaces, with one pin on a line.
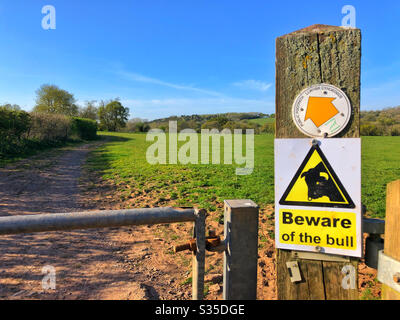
pixel 232 116
pixel 260 122
pixel 385 122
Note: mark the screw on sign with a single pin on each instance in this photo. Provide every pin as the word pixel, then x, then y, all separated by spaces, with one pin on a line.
pixel 321 110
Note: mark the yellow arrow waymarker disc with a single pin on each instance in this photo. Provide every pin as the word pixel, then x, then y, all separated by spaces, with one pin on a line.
pixel 321 111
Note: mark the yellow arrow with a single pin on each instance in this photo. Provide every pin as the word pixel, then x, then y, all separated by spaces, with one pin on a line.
pixel 320 110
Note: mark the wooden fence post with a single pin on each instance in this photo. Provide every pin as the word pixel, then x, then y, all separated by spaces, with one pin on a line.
pixel 314 55
pixel 392 235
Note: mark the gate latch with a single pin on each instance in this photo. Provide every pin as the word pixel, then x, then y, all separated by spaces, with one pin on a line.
pixel 212 241
pixel 294 271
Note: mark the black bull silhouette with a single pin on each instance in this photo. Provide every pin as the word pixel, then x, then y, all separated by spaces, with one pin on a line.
pixel 321 185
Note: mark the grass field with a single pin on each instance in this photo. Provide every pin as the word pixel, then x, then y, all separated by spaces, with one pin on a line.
pixel 262 121
pixel 123 162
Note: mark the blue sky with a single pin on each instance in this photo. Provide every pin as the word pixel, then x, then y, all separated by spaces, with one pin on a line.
pixel 172 57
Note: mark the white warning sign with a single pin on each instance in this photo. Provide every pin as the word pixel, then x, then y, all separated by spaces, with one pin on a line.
pixel 318 195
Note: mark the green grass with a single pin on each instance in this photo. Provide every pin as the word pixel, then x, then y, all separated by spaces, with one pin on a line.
pixel 368 295
pixel 33 148
pixel 188 280
pixel 124 162
pixel 380 165
pixel 262 121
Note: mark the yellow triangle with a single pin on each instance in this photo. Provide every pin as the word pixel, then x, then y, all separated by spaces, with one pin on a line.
pixel 315 184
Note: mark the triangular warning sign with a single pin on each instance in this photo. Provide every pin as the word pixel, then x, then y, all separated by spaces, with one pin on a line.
pixel 316 184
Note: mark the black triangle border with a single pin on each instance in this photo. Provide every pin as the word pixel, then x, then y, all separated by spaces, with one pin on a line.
pixel 350 205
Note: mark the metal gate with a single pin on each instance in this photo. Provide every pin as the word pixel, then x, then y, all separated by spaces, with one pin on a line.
pixel 239 245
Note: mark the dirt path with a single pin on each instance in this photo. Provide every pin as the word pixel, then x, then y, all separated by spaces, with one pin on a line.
pixel 89 264
pixel 45 184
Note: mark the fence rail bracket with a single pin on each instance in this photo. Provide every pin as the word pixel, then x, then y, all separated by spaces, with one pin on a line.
pixel 318 256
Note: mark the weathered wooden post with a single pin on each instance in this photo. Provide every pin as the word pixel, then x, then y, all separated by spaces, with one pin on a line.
pixel 315 55
pixel 392 243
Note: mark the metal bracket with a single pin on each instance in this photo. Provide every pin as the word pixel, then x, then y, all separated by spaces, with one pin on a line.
pixel 221 247
pixel 318 256
pixel 294 271
pixel 389 271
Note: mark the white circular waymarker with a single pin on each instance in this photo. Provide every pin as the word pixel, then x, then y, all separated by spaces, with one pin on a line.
pixel 321 110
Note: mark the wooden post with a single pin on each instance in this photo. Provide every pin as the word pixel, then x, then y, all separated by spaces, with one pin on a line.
pixel 392 235
pixel 314 55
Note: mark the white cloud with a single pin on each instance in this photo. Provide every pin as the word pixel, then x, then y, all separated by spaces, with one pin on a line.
pixel 253 85
pixel 383 95
pixel 160 108
pixel 207 102
pixel 144 79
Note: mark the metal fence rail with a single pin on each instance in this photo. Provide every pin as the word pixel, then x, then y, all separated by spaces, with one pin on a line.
pixel 117 218
pixel 240 244
pixel 93 219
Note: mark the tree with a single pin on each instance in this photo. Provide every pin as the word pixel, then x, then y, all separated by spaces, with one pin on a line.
pixel 13 123
pixel 268 128
pixel 12 107
pixel 136 125
pixel 90 111
pixel 113 116
pixel 52 99
pixel 370 130
pixel 395 131
pixel 141 127
pixel 217 122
